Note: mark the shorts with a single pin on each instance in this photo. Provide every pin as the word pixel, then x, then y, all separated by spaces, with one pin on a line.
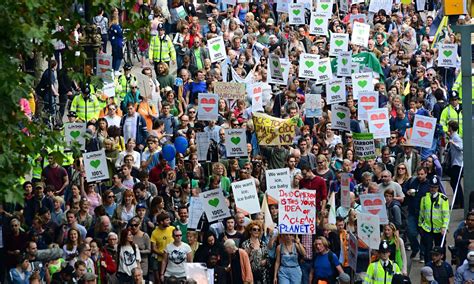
pixel 155 265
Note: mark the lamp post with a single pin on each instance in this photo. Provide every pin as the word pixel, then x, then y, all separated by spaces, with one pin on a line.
pixel 91 40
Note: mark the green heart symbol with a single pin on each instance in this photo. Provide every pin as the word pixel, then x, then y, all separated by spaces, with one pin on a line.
pixel 324 6
pixel 322 69
pixel 214 202
pixel 362 83
pixel 216 47
pixel 95 163
pixel 75 134
pixel 335 89
pixel 341 115
pixel 309 64
pixel 339 42
pixel 447 53
pixel 344 61
pixel 319 21
pixel 275 63
pixel 235 140
pixel 282 69
pixel 296 12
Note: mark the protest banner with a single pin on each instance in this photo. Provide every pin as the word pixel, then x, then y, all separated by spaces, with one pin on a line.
pixel 104 67
pixel 95 165
pixel 285 70
pixel 360 34
pixel 214 205
pixel 447 55
pixel 368 229
pixel 296 13
pixel 336 91
pixel 216 49
pixel 367 100
pixel 235 143
pixel 277 179
pixel 245 195
pixel 297 212
pixel 318 24
pixel 324 7
pixel 324 71
pixel 344 64
pixel 195 212
pixel 230 90
pixel 308 66
pixel 376 6
pixel 345 191
pixel 374 203
pixel 74 132
pixel 181 12
pixel 274 131
pixel 364 146
pixel 340 118
pixel 379 124
pixel 313 105
pixel 202 143
pixel 338 43
pixel 207 107
pixel 332 208
pixel 423 131
pixel 353 250
pixel 256 93
pixel 275 67
pixel 361 82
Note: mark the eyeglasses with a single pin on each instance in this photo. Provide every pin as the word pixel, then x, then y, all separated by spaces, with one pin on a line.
pixel 191 111
pixel 133 225
pixel 111 196
pixel 402 168
pixel 178 236
pixel 320 163
pixel 255 229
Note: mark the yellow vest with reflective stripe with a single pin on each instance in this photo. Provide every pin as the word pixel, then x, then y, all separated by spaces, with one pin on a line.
pixel 377 275
pixel 161 50
pixel 122 86
pixel 86 110
pixel 434 216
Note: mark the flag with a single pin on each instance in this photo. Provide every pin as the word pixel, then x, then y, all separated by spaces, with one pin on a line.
pixel 440 34
pixel 332 209
pixel 267 216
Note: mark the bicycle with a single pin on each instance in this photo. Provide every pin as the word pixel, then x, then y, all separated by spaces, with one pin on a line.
pixel 130 47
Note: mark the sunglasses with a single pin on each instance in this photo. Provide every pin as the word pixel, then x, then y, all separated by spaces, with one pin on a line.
pixel 133 225
pixel 255 229
pixel 402 168
pixel 192 112
pixel 111 196
pixel 178 236
pixel 134 87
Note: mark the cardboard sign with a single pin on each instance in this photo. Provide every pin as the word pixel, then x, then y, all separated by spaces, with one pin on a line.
pixel 230 90
pixel 104 67
pixel 340 118
pixel 296 13
pixel 336 91
pixel 195 212
pixel 214 205
pixel 207 107
pixel 364 146
pixel 368 229
pixel 245 195
pixel 216 49
pixel 275 67
pixel 338 43
pixel 256 92
pixel 285 70
pixel 374 203
pixel 378 123
pixel 318 24
pixel 95 165
pixel 353 250
pixel 423 131
pixel 236 143
pixel 376 6
pixel 324 7
pixel 361 82
pixel 277 179
pixel 447 55
pixel 74 132
pixel 344 64
pixel 367 100
pixel 308 66
pixel 297 212
pixel 313 105
pixel 360 34
pixel 202 143
pixel 360 18
pixel 324 71
pixel 345 191
pixel 274 131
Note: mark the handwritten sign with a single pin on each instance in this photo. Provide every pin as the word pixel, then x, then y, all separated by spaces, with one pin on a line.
pixel 340 118
pixel 109 89
pixel 374 203
pixel 361 82
pixel 277 179
pixel 376 6
pixel 195 212
pixel 345 191
pixel 364 145
pixel 344 64
pixel 74 132
pixel 360 34
pixel 423 131
pixel 235 143
pixel 207 107
pixel 95 165
pixel 318 24
pixel 202 143
pixel 308 66
pixel 245 195
pixel 216 49
pixel 338 43
pixel 313 105
pixel 378 123
pixel 297 212
pixel 296 13
pixel 367 100
pixel 274 131
pixel 447 55
pixel 368 229
pixel 228 90
pixel 336 91
pixel 324 71
pixel 214 205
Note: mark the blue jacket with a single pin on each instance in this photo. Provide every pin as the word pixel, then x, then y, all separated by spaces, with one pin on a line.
pixel 414 201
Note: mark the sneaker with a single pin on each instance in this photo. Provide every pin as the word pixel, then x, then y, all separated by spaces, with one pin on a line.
pixel 421 260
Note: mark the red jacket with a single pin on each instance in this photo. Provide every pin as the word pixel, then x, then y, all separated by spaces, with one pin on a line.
pixel 318 184
pixel 102 272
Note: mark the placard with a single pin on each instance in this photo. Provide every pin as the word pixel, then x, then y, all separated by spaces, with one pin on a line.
pixel 104 67
pixel 324 71
pixel 235 143
pixel 181 12
pixel 345 190
pixel 274 131
pixel 216 49
pixel 313 105
pixel 282 6
pixel 267 216
pixel 344 64
pixel 207 107
pixel 296 13
pixel 344 6
pixel 353 250
pixel 360 18
pixel 95 165
pixel 360 34
pixel 297 212
pixel 195 212
pixel 308 66
pixel 423 131
pixel 109 89
pixel 447 55
pixel 374 203
pixel 338 43
pixel 364 146
pixel 74 132
pixel 245 195
pixel 340 118
pixel 376 6
pixel 277 179
pixel 285 70
pixel 324 7
pixel 378 123
pixel 367 100
pixel 368 229
pixel 214 205
pixel 276 70
pixel 336 91
pixel 361 82
pixel 318 24
pixel 230 90
pixel 256 92
pixel 202 143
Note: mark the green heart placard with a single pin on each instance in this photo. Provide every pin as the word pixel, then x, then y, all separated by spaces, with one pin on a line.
pixel 296 12
pixel 75 134
pixel 344 61
pixel 235 140
pixel 322 69
pixel 447 53
pixel 275 63
pixel 362 83
pixel 339 42
pixel 335 89
pixel 319 21
pixel 213 202
pixel 95 163
pixel 216 46
pixel 309 64
pixel 341 115
pixel 324 6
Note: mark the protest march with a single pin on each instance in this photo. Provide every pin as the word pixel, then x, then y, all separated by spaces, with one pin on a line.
pixel 224 141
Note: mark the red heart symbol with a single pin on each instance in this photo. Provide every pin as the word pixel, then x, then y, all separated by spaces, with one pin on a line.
pixel 368 107
pixel 379 125
pixel 257 98
pixel 365 99
pixel 104 62
pixel 257 90
pixel 207 109
pixel 360 20
pixel 376 117
pixel 103 70
pixel 422 133
pixel 420 123
pixel 373 203
pixel 210 101
pixel 345 193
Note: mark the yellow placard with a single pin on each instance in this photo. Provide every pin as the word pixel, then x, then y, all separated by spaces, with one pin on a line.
pixel 274 131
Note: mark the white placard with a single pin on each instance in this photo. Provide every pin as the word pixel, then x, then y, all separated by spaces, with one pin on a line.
pixel 368 229
pixel 324 7
pixel 378 123
pixel 308 66
pixel 360 34
pixel 207 107
pixel 447 55
pixel 235 143
pixel 275 67
pixel 109 90
pixel 104 67
pixel 361 18
pixel 353 250
pixel 338 43
pixel 345 191
pixel 216 49
pixel 361 82
pixel 95 165
pixel 75 132
pixel 245 195
pixel 297 212
pixel 277 179
pixel 313 105
pixel 376 6
pixel 256 92
pixel 230 2
pixel 336 91
pixel 214 205
pixel 344 5
pixel 282 6
pixel 318 24
pixel 423 131
pixel 367 100
pixel 374 203
pixel 324 71
pixel 195 212
pixel 202 143
pixel 296 13
pixel 344 64
pixel 284 68
pixel 340 118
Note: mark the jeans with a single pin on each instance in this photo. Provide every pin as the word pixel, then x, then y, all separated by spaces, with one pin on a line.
pixel 412 232
pixel 306 269
pixel 105 39
pixel 428 239
pixel 289 275
pixel 50 103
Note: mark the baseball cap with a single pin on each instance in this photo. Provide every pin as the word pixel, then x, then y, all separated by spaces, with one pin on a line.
pixel 427 272
pixel 141 206
pixel 437 250
pixel 270 21
pixel 39 185
pixel 383 247
pixel 434 181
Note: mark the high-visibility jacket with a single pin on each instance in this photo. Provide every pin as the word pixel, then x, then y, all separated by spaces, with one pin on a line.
pixel 458 86
pixel 376 274
pixel 122 85
pixel 448 114
pixel 434 213
pixel 86 110
pixel 161 49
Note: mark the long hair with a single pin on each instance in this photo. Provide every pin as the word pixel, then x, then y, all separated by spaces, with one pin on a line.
pixel 395 237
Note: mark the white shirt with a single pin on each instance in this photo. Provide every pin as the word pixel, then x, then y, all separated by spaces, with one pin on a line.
pixel 128 259
pixel 130 127
pixel 177 257
pixel 113 121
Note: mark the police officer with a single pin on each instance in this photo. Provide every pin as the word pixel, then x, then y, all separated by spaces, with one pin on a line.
pixel 124 81
pixel 383 270
pixel 86 105
pixel 434 217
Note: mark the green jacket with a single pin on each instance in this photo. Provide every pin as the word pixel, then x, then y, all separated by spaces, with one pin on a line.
pixel 161 49
pixel 434 214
